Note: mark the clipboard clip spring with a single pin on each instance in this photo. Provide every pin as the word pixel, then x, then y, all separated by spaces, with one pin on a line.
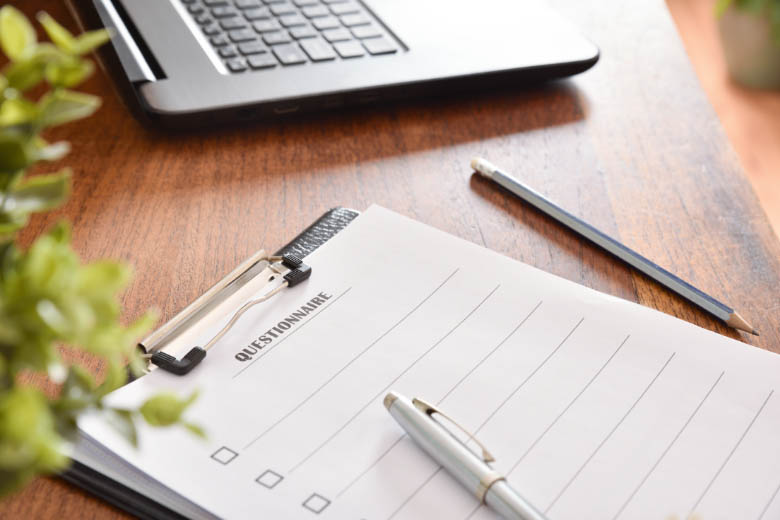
pixel 288 266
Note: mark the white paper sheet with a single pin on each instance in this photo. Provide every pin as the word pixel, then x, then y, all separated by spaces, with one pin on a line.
pixel 594 406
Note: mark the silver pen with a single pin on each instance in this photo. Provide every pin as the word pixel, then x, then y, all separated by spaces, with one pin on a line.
pixel 474 472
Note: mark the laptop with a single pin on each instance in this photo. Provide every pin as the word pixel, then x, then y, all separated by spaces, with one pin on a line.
pixel 199 62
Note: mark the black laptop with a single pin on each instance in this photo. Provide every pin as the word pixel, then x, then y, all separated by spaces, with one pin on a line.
pixel 197 62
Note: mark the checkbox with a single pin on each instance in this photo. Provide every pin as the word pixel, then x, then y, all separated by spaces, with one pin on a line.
pixel 316 503
pixel 269 479
pixel 224 455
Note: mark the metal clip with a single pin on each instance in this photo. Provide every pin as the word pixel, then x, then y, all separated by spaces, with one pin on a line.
pixel 288 266
pixel 429 409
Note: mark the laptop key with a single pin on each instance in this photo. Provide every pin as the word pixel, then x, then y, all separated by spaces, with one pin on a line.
pixel 255 47
pixel 211 29
pixel 275 38
pixel 223 12
pixel 350 49
pixel 203 19
pixel 289 54
pixel 292 20
pixel 269 2
pixel 242 35
pixel 247 4
pixel 345 8
pixel 379 46
pixel 318 50
pixel 313 11
pixel 228 51
pixel 236 64
pixel 195 9
pixel 327 22
pixel 282 8
pixel 303 32
pixel 214 3
pixel 366 31
pixel 259 13
pixel 336 35
pixel 302 3
pixel 351 20
pixel 261 61
pixel 219 40
pixel 232 23
pixel 266 26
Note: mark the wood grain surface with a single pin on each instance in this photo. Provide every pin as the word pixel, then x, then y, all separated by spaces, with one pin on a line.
pixel 632 146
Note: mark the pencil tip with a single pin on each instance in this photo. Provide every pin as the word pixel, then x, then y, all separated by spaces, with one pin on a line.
pixel 755 332
pixel 738 322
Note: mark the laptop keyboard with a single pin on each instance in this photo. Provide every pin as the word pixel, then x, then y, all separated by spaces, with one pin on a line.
pixel 262 34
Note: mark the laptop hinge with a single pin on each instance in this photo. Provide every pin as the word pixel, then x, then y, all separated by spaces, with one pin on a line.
pixel 130 56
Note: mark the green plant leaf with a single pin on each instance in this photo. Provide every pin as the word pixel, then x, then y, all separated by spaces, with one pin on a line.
pixel 50 152
pixel 37 194
pixel 62 106
pixel 721 6
pixel 91 40
pixel 24 75
pixel 17 35
pixel 15 147
pixel 17 111
pixel 61 37
pixel 122 422
pixel 165 409
pixel 68 72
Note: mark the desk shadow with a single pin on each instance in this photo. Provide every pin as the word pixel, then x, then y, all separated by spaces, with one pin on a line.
pixel 328 140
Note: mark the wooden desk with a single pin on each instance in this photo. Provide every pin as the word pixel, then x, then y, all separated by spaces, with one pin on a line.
pixel 633 146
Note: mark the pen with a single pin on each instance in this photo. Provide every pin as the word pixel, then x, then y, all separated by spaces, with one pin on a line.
pixel 475 473
pixel 631 257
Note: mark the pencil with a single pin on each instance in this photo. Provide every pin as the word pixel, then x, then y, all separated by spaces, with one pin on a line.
pixel 609 244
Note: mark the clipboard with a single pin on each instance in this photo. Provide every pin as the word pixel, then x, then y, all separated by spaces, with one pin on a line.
pixel 128 500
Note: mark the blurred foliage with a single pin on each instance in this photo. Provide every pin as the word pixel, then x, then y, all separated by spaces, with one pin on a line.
pixel 48 299
pixel 768 8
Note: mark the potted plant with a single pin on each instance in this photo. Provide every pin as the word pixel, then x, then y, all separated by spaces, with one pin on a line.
pixel 750 32
pixel 49 299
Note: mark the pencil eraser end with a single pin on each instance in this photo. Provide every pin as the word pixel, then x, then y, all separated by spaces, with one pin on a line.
pixel 390 399
pixel 482 167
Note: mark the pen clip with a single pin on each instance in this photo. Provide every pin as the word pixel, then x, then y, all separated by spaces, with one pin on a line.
pixel 429 410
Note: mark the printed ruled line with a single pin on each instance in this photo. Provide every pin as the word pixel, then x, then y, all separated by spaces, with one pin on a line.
pixel 262 354
pixel 609 435
pixel 568 406
pixel 728 457
pixel 369 468
pixel 528 378
pixel 550 426
pixel 484 358
pixel 522 384
pixel 668 447
pixel 771 499
pixel 399 376
pixel 355 358
pixel 455 386
pixel 410 497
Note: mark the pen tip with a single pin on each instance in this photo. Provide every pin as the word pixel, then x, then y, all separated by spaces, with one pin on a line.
pixel 755 332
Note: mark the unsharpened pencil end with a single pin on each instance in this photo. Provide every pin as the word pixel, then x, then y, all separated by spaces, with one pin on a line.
pixel 483 167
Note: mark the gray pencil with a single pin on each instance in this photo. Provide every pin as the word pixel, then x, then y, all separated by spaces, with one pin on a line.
pixel 632 258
